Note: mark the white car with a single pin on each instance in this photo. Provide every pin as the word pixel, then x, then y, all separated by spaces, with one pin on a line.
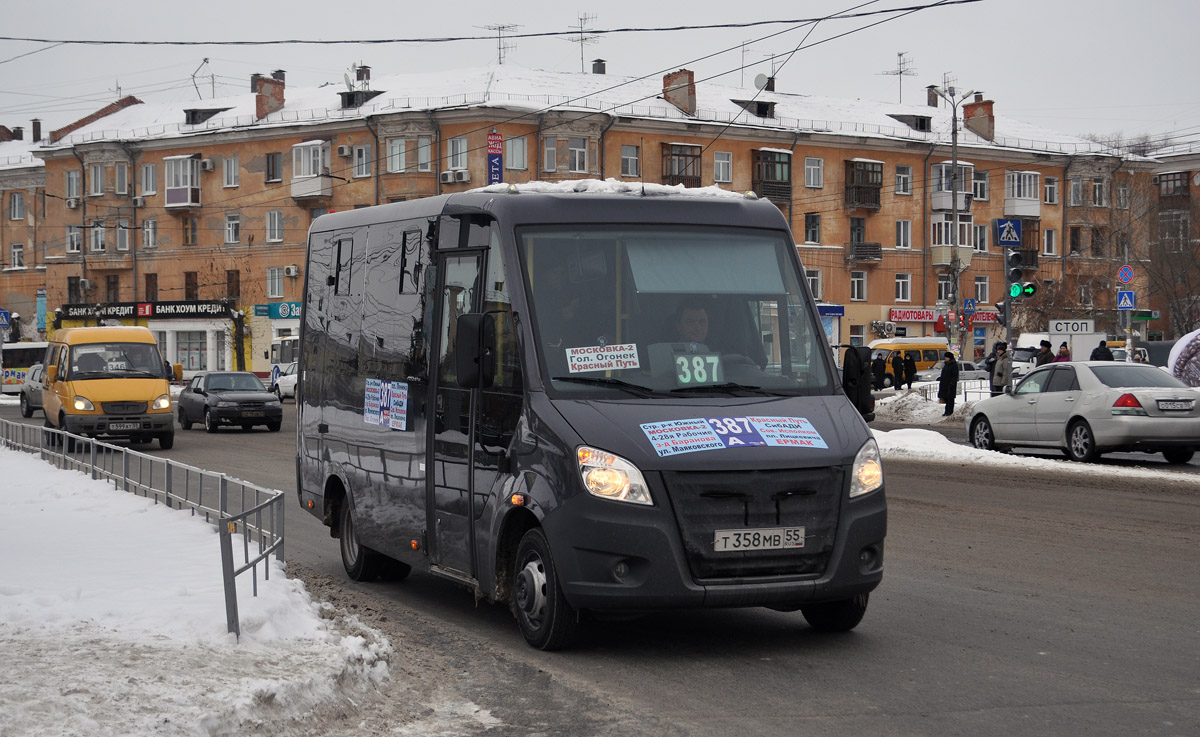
pixel 31 391
pixel 285 385
pixel 1087 408
pixel 967 370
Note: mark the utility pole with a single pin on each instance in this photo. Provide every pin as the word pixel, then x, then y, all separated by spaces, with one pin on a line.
pixel 951 96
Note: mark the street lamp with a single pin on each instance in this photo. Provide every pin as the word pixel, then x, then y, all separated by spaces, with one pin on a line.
pixel 951 96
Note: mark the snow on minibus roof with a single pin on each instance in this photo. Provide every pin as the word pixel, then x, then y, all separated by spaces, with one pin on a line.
pixel 611 186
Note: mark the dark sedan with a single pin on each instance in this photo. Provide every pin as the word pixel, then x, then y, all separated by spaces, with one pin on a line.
pixel 228 398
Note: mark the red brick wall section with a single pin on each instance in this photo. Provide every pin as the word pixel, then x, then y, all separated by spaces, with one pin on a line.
pixel 679 89
pixel 978 116
pixel 121 104
pixel 268 96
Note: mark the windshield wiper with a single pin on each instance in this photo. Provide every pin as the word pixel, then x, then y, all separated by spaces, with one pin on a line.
pixel 726 387
pixel 634 389
pixel 139 372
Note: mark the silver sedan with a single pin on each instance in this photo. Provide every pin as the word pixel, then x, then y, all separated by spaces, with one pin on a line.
pixel 1088 408
pixel 31 391
pixel 966 371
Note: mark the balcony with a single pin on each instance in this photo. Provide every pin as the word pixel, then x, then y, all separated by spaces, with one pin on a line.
pixel 944 200
pixel 864 253
pixel 181 198
pixel 312 187
pixel 1022 207
pixel 944 256
pixel 1029 257
pixel 773 190
pixel 686 180
pixel 862 195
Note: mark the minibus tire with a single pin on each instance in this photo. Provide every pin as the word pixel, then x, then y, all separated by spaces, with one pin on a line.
pixel 836 616
pixel 166 441
pixel 547 621
pixel 361 563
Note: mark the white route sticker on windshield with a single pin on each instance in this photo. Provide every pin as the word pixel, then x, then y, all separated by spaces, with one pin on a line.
pixel 718 433
pixel 602 358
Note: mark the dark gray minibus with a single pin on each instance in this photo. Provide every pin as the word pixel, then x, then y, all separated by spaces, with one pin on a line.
pixel 583 403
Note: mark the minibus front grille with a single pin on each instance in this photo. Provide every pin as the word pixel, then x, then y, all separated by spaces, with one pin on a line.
pixel 707 501
pixel 123 408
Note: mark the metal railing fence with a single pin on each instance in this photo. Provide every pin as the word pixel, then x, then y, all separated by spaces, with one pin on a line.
pixel 232 505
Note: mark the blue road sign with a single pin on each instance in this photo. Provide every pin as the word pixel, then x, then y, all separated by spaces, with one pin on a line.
pixel 1125 274
pixel 1008 232
pixel 3 318
pixel 1126 301
pixel 969 306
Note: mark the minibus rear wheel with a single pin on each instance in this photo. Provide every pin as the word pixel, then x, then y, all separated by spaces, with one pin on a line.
pixel 547 621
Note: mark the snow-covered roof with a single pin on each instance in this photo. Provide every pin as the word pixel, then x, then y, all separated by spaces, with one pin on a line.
pixel 18 155
pixel 531 91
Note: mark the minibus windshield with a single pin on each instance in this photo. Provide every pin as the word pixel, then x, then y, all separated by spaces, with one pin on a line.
pixel 671 310
pixel 116 361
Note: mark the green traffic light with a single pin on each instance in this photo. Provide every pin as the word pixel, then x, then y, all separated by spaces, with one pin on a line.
pixel 1014 290
pixel 1028 289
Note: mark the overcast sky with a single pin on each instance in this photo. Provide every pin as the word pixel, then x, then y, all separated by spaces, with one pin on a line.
pixel 1076 66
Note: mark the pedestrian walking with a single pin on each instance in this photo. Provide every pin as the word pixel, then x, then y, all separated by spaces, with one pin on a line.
pixel 878 369
pixel 1102 353
pixel 948 383
pixel 1002 376
pixel 1044 355
pixel 898 370
pixel 910 371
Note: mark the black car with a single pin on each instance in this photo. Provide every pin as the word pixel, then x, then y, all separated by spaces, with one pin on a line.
pixel 228 398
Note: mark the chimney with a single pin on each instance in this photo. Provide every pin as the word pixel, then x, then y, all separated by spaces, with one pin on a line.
pixel 37 130
pixel 18 133
pixel 931 96
pixel 278 74
pixel 979 118
pixel 597 66
pixel 770 85
pixel 268 94
pixel 679 89
pixel 363 74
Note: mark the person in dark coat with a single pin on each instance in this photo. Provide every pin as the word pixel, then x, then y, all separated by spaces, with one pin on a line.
pixel 878 369
pixel 948 383
pixel 910 371
pixel 898 370
pixel 1102 353
pixel 1044 355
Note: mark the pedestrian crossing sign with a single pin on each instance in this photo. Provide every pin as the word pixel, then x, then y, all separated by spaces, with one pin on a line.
pixel 1126 300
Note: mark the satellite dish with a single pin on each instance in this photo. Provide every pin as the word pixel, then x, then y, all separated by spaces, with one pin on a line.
pixel 349 84
pixel 761 80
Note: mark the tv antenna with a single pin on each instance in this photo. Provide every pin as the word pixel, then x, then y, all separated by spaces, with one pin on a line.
pixel 584 37
pixel 903 69
pixel 502 47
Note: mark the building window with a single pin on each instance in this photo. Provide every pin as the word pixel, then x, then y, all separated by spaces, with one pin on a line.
pixel 274 226
pixel 1099 192
pixel 1123 196
pixel 1051 190
pixel 362 161
pixel 16 255
pixel 577 161
pixel 723 166
pixel 275 167
pixel 1075 234
pixel 904 180
pixel 681 164
pixel 1172 184
pixel 1173 230
pixel 96 180
pixel 74 293
pixel 942 230
pixel 981 186
pixel 858 286
pixel 424 151
pixel 316 212
pixel 516 153
pixel 229 168
pixel 945 287
pixel 149 179
pixel 191 286
pixel 981 290
pixel 122 235
pixel 1021 185
pixel 233 284
pixel 814 282
pixel 121 178
pixel 1099 241
pixel 903 287
pixel 1085 295
pixel 74 238
pixel 549 153
pixel 112 288
pixel 904 234
pixel 812 227
pixel 190 231
pixel 630 161
pixel 858 334
pixel 150 234
pixel 72 187
pixel 97 230
pixel 1075 195
pixel 858 230
pixel 16 206
pixel 396 155
pixel 943 176
pixel 814 173
pixel 233 227
pixel 981 239
pixel 151 287
pixel 456 152
pixel 310 160
pixel 274 282
pixel 1050 242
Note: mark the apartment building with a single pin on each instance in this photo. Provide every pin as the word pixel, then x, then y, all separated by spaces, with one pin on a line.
pixel 22 272
pixel 191 218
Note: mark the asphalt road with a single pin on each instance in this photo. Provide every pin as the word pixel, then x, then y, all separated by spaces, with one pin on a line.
pixel 1044 604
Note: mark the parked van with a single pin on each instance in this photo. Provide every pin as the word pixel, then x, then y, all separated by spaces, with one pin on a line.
pixel 108 382
pixel 585 401
pixel 924 351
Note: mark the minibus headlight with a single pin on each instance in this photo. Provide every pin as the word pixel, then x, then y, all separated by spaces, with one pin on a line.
pixel 867 473
pixel 82 404
pixel 163 402
pixel 609 476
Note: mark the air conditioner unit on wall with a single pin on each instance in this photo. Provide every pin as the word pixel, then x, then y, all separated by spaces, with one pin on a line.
pixel 447 177
pixel 344 152
pixel 206 164
pixel 139 201
pixel 291 270
pixel 85 284
pixel 462 175
pixel 72 203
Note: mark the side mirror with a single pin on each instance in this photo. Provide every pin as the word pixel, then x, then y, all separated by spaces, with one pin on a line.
pixel 1008 389
pixel 177 370
pixel 51 374
pixel 475 350
pixel 856 380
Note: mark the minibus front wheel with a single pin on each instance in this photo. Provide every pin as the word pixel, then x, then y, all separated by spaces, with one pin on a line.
pixel 361 563
pixel 547 621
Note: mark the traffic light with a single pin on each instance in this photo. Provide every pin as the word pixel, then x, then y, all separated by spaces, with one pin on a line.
pixel 1014 267
pixel 1002 313
pixel 1028 289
